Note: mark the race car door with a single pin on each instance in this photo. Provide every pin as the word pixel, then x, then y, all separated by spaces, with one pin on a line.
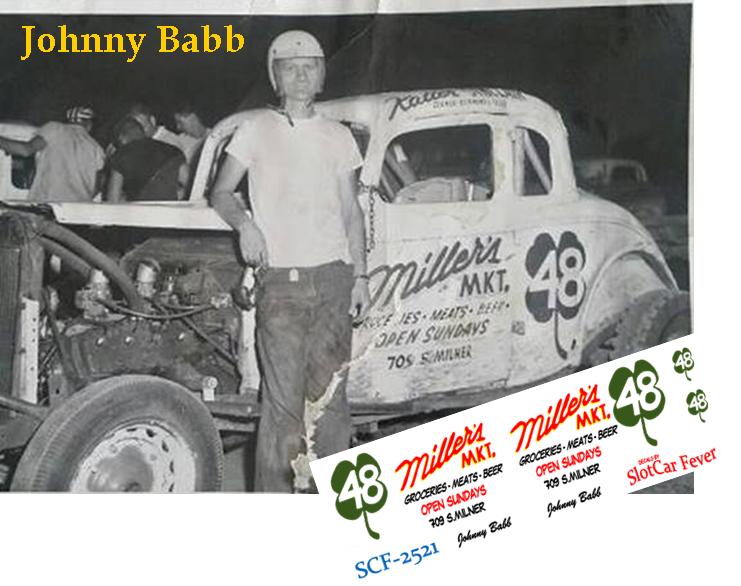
pixel 440 317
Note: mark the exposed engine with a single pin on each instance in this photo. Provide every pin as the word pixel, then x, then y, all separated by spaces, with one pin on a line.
pixel 186 331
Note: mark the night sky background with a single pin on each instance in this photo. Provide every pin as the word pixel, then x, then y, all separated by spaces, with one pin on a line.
pixel 620 76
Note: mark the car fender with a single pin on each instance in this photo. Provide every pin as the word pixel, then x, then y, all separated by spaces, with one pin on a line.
pixel 624 277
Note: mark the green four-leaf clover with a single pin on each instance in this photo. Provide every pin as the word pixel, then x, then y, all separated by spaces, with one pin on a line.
pixel 697 403
pixel 636 396
pixel 359 490
pixel 683 362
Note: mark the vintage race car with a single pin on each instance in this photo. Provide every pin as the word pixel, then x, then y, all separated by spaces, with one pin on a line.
pixel 490 271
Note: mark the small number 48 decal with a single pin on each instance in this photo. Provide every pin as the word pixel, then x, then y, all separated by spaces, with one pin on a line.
pixel 683 362
pixel 697 403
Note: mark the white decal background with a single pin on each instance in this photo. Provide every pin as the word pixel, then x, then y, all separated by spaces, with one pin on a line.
pixel 470 481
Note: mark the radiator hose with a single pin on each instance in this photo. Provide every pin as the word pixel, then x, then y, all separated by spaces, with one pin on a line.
pixel 88 253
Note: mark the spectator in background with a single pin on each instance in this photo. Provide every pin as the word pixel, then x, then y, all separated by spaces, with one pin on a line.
pixel 144 169
pixel 192 131
pixel 152 129
pixel 69 160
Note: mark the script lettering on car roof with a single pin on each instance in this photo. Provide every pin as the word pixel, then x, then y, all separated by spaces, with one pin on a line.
pixel 410 101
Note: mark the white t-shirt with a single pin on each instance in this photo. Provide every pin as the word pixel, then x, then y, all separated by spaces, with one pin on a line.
pixel 294 173
pixel 66 167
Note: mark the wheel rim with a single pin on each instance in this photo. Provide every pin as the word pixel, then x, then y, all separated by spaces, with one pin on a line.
pixel 138 457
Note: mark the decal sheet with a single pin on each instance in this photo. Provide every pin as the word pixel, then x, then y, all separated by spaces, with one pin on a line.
pixel 546 455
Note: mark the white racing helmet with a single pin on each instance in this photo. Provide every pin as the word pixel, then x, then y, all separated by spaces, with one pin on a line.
pixel 291 44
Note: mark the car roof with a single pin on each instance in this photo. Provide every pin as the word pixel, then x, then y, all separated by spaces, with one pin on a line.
pixel 392 106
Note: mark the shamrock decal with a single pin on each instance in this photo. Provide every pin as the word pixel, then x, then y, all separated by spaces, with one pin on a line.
pixel 697 403
pixel 557 287
pixel 636 396
pixel 359 491
pixel 683 362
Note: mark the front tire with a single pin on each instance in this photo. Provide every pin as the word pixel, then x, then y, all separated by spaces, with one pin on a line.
pixel 132 433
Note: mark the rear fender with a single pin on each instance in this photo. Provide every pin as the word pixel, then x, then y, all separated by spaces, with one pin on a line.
pixel 618 284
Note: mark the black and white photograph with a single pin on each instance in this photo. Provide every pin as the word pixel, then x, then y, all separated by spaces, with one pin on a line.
pixel 233 244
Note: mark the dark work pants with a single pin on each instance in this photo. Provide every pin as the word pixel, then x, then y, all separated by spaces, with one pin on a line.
pixel 304 336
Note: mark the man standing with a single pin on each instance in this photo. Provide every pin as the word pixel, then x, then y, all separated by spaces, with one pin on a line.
pixel 69 160
pixel 308 238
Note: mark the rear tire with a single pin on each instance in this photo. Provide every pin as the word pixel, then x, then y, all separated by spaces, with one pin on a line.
pixel 129 433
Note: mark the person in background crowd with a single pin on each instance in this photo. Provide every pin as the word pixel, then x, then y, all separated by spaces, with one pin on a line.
pixel 69 160
pixel 144 169
pixel 308 239
pixel 192 131
pixel 152 129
